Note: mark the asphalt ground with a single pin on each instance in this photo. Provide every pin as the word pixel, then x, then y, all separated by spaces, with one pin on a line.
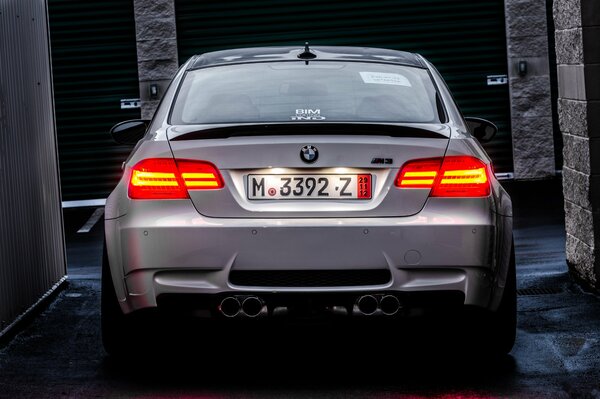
pixel 557 353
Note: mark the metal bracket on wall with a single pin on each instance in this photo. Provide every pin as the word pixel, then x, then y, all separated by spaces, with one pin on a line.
pixel 128 103
pixel 494 80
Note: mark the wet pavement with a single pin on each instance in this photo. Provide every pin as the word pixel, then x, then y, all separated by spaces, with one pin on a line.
pixel 556 355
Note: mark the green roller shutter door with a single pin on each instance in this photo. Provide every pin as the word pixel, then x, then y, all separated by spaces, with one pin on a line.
pixel 464 39
pixel 94 66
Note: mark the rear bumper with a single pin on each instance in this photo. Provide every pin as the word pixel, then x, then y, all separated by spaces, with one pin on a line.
pixel 166 247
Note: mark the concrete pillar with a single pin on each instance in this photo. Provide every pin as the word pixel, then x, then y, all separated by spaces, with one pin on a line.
pixel 156 38
pixel 531 106
pixel 578 61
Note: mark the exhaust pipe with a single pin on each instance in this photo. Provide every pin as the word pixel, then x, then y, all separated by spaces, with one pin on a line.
pixel 367 304
pixel 389 305
pixel 230 307
pixel 252 306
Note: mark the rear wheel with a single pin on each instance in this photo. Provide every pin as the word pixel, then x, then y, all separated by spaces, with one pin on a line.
pixel 503 322
pixel 495 332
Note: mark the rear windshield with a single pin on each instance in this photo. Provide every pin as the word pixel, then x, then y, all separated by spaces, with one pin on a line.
pixel 294 91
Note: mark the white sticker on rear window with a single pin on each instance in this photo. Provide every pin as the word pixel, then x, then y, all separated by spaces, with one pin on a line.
pixel 382 78
pixel 307 114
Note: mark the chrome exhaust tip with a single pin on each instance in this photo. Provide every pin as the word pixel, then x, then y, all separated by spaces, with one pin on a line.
pixel 252 306
pixel 230 307
pixel 367 304
pixel 389 305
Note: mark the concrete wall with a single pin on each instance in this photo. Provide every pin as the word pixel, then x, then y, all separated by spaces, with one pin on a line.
pixel 531 107
pixel 32 257
pixel 156 38
pixel 577 36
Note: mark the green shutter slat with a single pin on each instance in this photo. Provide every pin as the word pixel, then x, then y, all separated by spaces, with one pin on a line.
pixel 94 66
pixel 466 40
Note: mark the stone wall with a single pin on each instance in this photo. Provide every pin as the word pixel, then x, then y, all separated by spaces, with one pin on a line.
pixel 531 107
pixel 578 57
pixel 156 38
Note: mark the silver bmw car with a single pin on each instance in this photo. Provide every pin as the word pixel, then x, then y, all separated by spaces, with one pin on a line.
pixel 275 183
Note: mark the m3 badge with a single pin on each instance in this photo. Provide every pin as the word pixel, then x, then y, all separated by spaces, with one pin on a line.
pixel 382 161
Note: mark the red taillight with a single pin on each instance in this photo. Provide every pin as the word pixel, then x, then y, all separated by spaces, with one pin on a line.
pixel 199 175
pixel 165 178
pixel 462 176
pixel 419 174
pixel 156 178
pixel 454 176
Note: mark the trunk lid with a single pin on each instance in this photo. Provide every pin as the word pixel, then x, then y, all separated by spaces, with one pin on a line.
pixel 274 152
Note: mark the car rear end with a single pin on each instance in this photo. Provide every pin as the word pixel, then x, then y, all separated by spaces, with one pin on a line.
pixel 308 192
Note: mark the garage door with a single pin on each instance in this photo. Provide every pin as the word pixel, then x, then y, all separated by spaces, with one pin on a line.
pixel 463 38
pixel 94 66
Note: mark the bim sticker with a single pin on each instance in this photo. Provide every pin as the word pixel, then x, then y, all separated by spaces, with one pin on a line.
pixel 307 114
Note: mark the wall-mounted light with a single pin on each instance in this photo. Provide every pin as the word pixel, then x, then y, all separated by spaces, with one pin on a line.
pixel 153 91
pixel 522 67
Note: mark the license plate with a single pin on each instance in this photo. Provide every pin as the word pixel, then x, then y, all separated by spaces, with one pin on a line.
pixel 323 187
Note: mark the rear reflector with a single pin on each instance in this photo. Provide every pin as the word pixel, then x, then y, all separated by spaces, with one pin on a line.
pixel 452 176
pixel 166 178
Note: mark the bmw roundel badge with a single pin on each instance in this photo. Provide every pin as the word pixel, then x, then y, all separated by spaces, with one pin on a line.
pixel 309 153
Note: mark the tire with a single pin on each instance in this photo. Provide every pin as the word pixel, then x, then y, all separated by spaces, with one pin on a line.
pixel 497 331
pixel 503 322
pixel 488 333
pixel 114 324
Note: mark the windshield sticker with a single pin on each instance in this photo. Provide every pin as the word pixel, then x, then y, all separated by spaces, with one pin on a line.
pixel 382 78
pixel 307 114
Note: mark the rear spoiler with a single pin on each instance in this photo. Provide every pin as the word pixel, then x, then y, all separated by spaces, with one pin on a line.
pixel 199 132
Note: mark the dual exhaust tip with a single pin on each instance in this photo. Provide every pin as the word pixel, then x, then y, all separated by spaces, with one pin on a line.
pixel 389 305
pixel 250 306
